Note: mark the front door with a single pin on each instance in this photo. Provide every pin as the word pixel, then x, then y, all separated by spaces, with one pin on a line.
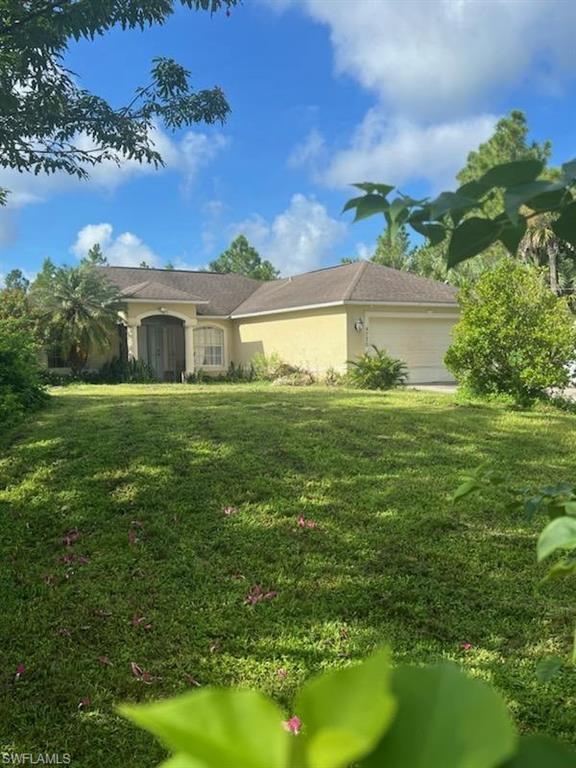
pixel 161 345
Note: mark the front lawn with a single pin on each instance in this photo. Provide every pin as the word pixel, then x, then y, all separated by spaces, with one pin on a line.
pixel 116 550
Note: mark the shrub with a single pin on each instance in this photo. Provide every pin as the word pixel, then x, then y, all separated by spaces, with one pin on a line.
pixel 515 337
pixel 333 378
pixel 117 371
pixel 300 378
pixel 21 389
pixel 239 372
pixel 270 367
pixel 377 370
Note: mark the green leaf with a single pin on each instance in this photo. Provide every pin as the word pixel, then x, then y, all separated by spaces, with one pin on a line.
pixel 473 189
pixel 368 186
pixel 559 534
pixel 466 488
pixel 569 507
pixel 435 233
pixel 512 174
pixel 522 194
pixel 218 727
pixel 511 236
pixel 565 225
pixel 548 668
pixel 449 202
pixel 345 712
pixel 541 752
pixel 472 237
pixel 181 761
pixel 445 720
pixel 367 205
pixel 561 569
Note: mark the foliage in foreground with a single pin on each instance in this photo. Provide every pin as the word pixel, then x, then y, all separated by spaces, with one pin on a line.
pixel 557 503
pixel 20 387
pixel 369 714
pixel 467 219
pixel 50 123
pixel 514 337
pixel 375 369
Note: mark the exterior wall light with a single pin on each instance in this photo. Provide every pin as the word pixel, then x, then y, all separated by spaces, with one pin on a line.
pixel 359 325
pixel 163 310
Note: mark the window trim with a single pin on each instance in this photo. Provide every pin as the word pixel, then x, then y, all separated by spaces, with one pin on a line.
pixel 216 327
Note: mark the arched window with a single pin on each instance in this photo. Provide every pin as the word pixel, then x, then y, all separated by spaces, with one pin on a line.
pixel 208 347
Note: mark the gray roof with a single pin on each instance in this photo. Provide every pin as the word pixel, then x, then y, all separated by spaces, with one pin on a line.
pixel 236 295
pixel 361 281
pixel 222 292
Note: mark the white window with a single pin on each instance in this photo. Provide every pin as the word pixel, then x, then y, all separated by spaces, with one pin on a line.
pixel 208 347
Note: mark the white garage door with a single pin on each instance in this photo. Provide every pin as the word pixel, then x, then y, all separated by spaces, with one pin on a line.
pixel 420 342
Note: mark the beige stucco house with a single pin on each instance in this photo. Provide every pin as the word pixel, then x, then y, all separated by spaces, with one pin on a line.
pixel 181 321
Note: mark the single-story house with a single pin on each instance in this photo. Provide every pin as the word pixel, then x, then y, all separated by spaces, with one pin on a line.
pixel 180 321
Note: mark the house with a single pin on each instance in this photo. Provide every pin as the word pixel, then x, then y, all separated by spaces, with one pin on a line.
pixel 181 321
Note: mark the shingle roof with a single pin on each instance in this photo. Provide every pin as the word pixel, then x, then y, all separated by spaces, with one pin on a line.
pixel 155 290
pixel 362 281
pixel 222 292
pixel 236 295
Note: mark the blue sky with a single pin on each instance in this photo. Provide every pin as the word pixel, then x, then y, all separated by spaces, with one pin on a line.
pixel 323 93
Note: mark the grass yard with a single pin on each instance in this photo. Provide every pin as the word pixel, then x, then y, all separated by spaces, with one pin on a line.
pixel 158 574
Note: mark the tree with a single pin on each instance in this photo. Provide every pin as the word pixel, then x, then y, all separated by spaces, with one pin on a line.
pixel 95 257
pixel 243 258
pixel 49 123
pixel 169 266
pixel 508 143
pixel 144 265
pixel 394 251
pixel 77 309
pixel 15 281
pixel 514 337
pixel 14 299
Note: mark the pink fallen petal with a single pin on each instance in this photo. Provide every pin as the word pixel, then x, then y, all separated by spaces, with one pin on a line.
pixel 257 594
pixel 147 677
pixel 137 671
pixel 293 725
pixel 83 560
pixel 20 671
pixel 71 537
pixel 466 646
pixel 301 522
pixel 85 703
pixel 282 673
pixel 229 511
pixel 140 621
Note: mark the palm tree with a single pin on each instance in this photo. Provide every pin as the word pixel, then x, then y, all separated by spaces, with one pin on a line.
pixel 78 310
pixel 542 246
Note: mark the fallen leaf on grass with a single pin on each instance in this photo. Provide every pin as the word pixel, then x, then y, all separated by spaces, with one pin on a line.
pixel 229 511
pixel 140 621
pixel 141 674
pixel 71 537
pixel 20 671
pixel 85 703
pixel 257 594
pixel 304 523
pixel 104 661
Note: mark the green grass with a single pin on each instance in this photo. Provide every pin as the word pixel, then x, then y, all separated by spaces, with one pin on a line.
pixel 390 561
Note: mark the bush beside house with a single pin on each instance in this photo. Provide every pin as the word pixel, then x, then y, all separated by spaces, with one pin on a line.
pixel 515 337
pixel 20 385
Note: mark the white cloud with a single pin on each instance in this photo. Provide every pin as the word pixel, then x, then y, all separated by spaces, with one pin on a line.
pixel 125 250
pixel 433 66
pixel 438 59
pixel 399 151
pixel 308 151
pixel 297 239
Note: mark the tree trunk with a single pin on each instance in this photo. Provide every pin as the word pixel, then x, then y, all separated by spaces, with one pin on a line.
pixel 78 358
pixel 553 266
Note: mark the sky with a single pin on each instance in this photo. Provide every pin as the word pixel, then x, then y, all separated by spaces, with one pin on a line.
pixel 323 93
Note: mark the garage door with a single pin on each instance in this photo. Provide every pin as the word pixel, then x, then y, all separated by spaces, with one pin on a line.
pixel 420 342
